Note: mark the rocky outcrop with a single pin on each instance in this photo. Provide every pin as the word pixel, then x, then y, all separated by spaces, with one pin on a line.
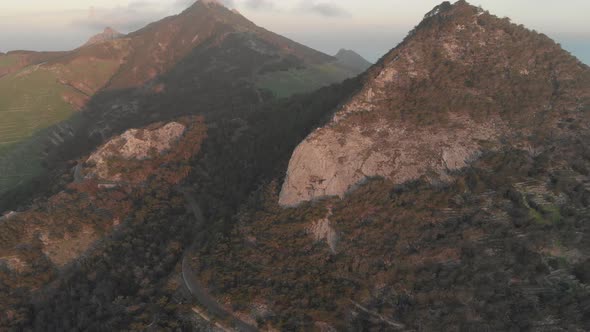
pixel 134 144
pixel 322 230
pixel 330 162
pixel 425 110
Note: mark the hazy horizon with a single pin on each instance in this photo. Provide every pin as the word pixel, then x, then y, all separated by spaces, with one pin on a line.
pixel 329 25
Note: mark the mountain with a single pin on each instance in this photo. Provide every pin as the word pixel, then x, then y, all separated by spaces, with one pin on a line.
pixel 428 108
pixel 449 191
pixel 207 40
pixel 351 59
pixel 156 219
pixel 108 34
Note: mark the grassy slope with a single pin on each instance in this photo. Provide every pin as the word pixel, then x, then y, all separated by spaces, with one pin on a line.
pixel 297 81
pixel 8 60
pixel 32 100
pixel 28 103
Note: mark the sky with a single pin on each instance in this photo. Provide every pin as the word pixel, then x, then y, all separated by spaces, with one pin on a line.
pixel 370 27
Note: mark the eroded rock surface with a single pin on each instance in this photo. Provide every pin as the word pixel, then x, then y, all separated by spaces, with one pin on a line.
pixel 138 144
pixel 322 230
pixel 331 162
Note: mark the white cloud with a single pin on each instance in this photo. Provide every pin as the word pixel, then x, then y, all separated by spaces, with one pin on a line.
pixel 259 4
pixel 328 9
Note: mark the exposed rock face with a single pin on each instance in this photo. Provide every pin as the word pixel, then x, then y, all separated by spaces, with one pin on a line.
pixel 322 231
pixel 462 81
pixel 331 162
pixel 138 144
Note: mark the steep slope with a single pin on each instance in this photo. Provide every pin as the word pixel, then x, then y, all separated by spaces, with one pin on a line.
pixel 208 48
pixel 160 45
pixel 462 81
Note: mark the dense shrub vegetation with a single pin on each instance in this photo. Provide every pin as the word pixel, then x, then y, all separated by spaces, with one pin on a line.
pixel 502 247
pixel 122 282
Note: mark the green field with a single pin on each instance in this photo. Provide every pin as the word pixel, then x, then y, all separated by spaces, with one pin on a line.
pixel 30 101
pixel 296 81
pixel 8 60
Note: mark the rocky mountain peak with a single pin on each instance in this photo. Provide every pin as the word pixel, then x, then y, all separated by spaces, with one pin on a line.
pixel 107 35
pixel 211 2
pixel 110 31
pixel 462 80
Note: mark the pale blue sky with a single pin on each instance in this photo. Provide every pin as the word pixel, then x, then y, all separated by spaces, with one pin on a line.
pixel 371 27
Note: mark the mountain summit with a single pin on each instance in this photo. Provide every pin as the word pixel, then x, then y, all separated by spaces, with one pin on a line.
pixel 462 80
pixel 352 59
pixel 107 35
pixel 211 2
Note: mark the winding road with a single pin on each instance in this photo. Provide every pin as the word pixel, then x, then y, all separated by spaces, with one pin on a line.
pixel 193 284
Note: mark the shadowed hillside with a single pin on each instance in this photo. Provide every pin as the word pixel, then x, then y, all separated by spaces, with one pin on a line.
pixel 49 89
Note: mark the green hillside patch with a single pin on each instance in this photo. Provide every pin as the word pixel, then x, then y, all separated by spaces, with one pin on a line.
pixel 18 163
pixel 29 102
pixel 8 61
pixel 296 81
pixel 89 75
